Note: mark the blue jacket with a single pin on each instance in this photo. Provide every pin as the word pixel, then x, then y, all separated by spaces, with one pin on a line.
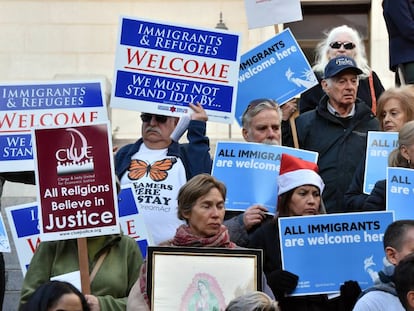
pixel 399 19
pixel 195 155
pixel 341 144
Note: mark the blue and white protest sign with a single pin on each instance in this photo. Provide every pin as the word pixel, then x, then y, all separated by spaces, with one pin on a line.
pixel 276 69
pixel 132 222
pixel 379 146
pixel 400 192
pixel 161 68
pixel 27 105
pixel 250 172
pixel 272 12
pixel 24 226
pixel 327 250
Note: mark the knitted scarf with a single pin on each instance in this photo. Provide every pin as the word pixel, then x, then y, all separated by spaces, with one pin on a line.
pixel 184 237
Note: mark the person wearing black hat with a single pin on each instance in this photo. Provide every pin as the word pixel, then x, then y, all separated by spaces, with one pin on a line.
pixel 337 130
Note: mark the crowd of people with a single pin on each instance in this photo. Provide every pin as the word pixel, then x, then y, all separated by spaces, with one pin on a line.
pixel 183 205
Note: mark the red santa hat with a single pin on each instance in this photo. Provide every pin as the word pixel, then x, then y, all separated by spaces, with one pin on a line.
pixel 295 172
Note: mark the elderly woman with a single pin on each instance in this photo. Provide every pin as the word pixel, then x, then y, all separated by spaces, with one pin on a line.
pixel 300 188
pixel 343 41
pixel 201 205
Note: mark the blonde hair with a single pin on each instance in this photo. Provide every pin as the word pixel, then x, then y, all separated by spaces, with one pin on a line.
pixel 405 138
pixel 404 94
pixel 321 59
pixel 253 301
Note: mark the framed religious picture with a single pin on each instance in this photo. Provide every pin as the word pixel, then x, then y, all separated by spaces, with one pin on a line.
pixel 193 278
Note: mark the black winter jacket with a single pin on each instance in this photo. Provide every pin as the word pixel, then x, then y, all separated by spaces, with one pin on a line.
pixel 341 144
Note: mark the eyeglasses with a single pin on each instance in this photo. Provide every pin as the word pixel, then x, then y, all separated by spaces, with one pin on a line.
pixel 346 45
pixel 147 117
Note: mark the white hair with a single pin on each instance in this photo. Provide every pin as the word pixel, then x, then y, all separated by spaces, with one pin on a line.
pixel 321 59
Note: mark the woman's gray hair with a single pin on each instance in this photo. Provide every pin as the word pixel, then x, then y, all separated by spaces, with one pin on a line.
pixel 253 301
pixel 405 138
pixel 321 58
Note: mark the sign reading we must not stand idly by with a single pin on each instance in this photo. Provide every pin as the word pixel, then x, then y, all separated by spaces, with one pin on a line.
pixel 161 68
pixel 250 170
pixel 276 69
pixel 28 105
pixel 327 250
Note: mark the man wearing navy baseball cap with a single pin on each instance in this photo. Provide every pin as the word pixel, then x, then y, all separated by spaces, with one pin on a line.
pixel 339 64
pixel 337 129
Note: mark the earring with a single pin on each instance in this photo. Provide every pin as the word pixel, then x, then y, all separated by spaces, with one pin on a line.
pixel 409 162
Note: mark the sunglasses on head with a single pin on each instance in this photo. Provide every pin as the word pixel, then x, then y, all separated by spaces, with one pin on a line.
pixel 147 117
pixel 338 44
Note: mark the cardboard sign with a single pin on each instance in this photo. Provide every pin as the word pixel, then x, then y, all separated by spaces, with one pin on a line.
pixel 261 13
pixel 327 250
pixel 250 170
pixel 379 147
pixel 400 192
pixel 74 174
pixel 161 68
pixel 276 69
pixel 24 226
pixel 28 105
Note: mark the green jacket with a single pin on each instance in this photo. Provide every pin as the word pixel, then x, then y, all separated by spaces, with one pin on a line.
pixel 113 281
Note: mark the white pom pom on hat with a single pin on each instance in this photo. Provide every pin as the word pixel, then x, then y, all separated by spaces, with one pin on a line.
pixel 295 172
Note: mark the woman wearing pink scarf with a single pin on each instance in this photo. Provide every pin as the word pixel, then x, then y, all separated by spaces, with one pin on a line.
pixel 201 205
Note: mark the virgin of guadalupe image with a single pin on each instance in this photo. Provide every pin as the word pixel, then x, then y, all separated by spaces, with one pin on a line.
pixel 204 294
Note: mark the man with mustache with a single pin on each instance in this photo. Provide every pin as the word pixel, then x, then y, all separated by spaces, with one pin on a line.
pixel 157 166
pixel 337 130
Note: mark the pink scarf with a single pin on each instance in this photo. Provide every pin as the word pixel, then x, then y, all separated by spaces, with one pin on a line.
pixel 184 237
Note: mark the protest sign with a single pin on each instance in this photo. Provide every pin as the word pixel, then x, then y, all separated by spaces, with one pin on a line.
pixel 250 170
pixel 379 146
pixel 76 184
pixel 24 226
pixel 400 192
pixel 327 250
pixel 27 105
pixel 276 69
pixel 261 13
pixel 132 222
pixel 161 68
pixel 4 240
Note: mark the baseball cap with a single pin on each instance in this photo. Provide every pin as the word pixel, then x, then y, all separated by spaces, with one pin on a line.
pixel 339 64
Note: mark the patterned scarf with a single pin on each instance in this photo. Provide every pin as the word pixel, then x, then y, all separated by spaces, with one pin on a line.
pixel 184 237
